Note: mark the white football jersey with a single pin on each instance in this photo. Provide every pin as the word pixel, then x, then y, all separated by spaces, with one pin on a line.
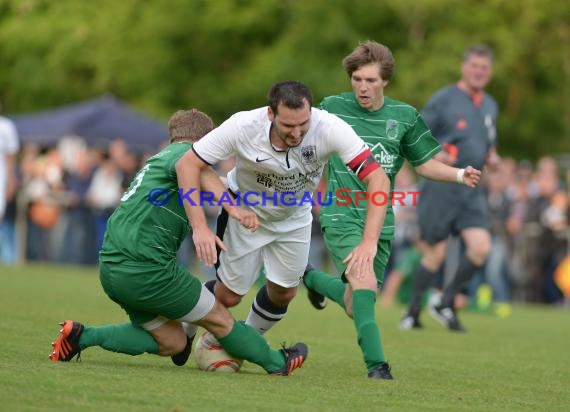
pixel 273 183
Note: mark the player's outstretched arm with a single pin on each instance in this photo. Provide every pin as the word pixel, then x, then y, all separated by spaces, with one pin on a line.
pixel 188 169
pixel 435 170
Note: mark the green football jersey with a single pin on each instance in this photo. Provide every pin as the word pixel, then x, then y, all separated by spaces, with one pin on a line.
pixel 150 223
pixel 394 133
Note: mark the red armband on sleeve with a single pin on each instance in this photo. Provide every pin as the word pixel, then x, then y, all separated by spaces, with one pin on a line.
pixel 451 149
pixel 363 164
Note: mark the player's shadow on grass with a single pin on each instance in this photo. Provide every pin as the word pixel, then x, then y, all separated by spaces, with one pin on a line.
pixel 167 366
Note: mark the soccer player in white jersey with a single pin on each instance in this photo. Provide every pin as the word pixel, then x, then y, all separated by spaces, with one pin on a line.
pixel 280 150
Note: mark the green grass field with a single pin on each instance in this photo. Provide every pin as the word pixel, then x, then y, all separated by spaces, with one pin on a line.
pixel 518 363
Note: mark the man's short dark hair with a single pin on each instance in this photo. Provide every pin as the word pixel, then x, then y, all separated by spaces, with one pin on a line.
pixel 290 94
pixel 189 125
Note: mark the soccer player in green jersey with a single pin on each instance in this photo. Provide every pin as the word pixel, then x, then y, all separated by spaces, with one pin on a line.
pixel 394 132
pixel 138 270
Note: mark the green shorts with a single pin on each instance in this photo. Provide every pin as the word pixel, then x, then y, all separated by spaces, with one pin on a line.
pixel 409 261
pixel 341 241
pixel 146 290
pixel 407 264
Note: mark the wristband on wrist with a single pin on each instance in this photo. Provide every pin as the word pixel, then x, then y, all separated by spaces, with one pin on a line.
pixel 459 177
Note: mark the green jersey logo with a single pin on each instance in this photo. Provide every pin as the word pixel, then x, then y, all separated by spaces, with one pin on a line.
pixel 391 129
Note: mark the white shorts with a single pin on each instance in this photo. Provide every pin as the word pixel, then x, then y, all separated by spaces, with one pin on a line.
pixel 205 304
pixel 283 254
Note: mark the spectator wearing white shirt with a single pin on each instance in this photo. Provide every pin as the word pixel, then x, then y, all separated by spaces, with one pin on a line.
pixel 9 146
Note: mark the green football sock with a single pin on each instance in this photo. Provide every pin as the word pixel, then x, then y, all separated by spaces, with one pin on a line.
pixel 367 331
pixel 244 342
pixel 122 338
pixel 330 286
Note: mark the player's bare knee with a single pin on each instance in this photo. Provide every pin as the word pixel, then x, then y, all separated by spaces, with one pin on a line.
pixel 372 284
pixel 368 283
pixel 478 253
pixel 228 299
pixel 433 256
pixel 484 251
pixel 218 321
pixel 478 257
pixel 431 263
pixel 282 296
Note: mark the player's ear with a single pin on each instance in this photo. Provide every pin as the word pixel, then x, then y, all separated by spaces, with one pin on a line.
pixel 270 114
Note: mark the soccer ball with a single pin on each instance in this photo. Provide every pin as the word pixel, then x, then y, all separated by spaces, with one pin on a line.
pixel 210 356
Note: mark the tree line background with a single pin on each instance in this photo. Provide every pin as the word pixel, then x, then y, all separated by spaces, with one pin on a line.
pixel 221 56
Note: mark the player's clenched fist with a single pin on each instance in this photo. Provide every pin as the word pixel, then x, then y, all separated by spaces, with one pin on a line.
pixel 246 218
pixel 471 176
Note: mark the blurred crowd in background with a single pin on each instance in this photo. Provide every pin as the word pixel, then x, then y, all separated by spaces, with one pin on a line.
pixel 529 209
pixel 66 194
